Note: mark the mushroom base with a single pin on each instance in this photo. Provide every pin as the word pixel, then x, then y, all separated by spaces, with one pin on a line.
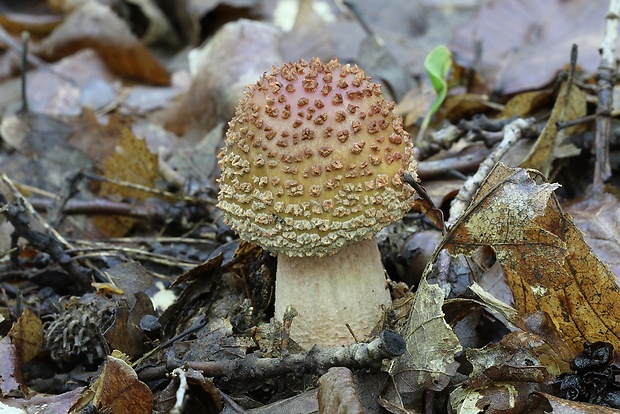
pixel 329 292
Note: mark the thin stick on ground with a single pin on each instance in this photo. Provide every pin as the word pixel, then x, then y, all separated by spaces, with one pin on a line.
pixel 606 81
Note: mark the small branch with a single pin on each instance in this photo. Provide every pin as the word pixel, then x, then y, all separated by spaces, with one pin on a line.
pixel 606 80
pixel 317 360
pixel 512 133
pixel 461 163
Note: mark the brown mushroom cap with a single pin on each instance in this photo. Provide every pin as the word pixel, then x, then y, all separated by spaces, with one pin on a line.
pixel 314 160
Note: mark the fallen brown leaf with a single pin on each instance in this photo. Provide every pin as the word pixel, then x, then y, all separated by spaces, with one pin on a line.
pixel 569 105
pixel 119 391
pixel 548 265
pixel 562 406
pixel 131 161
pixel 526 42
pixel 599 219
pixel 27 335
pixel 94 25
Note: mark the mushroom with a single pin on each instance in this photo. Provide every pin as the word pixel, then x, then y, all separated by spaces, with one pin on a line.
pixel 312 170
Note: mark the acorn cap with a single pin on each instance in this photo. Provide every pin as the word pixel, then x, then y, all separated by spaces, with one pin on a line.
pixel 314 160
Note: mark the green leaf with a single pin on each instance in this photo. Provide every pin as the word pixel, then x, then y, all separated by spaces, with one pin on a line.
pixel 438 64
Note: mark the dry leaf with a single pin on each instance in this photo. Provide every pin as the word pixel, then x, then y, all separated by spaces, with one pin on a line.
pixel 237 55
pixel 27 335
pixel 309 36
pixel 124 334
pixel 338 392
pixel 132 162
pixel 428 363
pixel 525 104
pixel 569 105
pixel 10 369
pixel 496 398
pixel 118 390
pixel 599 219
pixel 43 157
pixel 548 265
pixel 562 406
pixel 526 42
pixel 41 403
pixel 465 105
pixel 94 25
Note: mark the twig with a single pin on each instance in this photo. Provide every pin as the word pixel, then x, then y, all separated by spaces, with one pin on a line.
pixel 606 75
pixel 512 133
pixel 31 58
pixel 461 163
pixel 24 64
pixel 317 360
pixel 149 190
pixel 232 404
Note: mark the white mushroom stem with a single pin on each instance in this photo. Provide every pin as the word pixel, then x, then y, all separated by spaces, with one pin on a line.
pixel 329 292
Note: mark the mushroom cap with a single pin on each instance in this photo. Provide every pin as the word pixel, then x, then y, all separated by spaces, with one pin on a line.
pixel 314 160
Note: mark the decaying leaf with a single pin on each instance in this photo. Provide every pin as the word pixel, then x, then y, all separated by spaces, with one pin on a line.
pixel 562 406
pixel 124 333
pixel 496 398
pixel 504 374
pixel 570 105
pixel 548 265
pixel 43 157
pixel 525 104
pixel 429 361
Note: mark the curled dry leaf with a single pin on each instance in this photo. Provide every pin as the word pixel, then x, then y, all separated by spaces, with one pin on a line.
pixel 94 25
pixel 547 263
